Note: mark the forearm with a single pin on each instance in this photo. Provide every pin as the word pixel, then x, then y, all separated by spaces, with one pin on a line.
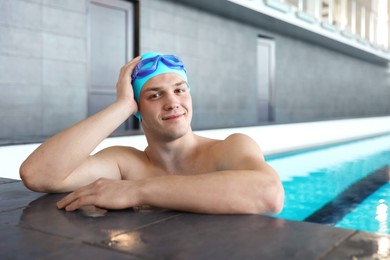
pixel 225 192
pixel 62 153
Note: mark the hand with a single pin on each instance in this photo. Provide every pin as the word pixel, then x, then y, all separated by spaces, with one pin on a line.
pixel 124 88
pixel 103 193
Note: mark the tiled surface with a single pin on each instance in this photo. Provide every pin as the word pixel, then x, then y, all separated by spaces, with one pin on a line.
pixel 31 221
pixel 13 196
pixel 5 180
pixel 23 243
pixel 362 246
pixel 191 236
pixel 77 226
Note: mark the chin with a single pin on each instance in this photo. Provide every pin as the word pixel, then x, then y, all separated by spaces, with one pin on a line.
pixel 176 133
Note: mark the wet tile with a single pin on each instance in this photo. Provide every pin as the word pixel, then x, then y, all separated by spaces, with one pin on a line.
pixel 91 252
pixel 35 245
pixel 362 245
pixel 193 236
pixel 15 195
pixel 31 221
pixel 6 180
pixel 18 243
pixel 42 215
pixel 11 217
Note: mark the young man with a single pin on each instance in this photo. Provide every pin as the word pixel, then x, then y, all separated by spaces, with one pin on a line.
pixel 178 169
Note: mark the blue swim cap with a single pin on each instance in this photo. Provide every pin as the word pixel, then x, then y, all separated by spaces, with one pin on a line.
pixel 155 67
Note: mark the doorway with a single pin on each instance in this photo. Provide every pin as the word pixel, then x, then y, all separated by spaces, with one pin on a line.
pixel 265 78
pixel 111 45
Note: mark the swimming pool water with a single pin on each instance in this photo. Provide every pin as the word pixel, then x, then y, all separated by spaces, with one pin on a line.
pixel 372 214
pixel 315 177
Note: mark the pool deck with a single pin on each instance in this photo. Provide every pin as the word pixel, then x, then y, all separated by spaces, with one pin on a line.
pixel 33 228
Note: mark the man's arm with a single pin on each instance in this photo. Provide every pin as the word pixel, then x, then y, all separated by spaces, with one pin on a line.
pixel 54 165
pixel 246 185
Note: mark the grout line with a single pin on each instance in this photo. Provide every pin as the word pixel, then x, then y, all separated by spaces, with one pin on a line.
pixel 9 210
pixel 77 242
pixel 144 226
pixel 158 221
pixel 337 244
pixel 149 224
pixel 113 249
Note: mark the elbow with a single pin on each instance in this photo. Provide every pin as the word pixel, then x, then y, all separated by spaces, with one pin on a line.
pixel 269 200
pixel 28 177
pixel 276 200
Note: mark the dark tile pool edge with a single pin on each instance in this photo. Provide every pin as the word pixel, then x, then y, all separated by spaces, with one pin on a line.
pixel 287 239
pixel 6 180
pixel 361 245
pixel 335 246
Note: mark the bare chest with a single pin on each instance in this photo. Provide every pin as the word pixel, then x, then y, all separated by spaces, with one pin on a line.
pixel 146 169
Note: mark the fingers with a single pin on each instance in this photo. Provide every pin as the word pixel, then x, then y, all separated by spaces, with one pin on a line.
pixel 80 202
pixel 128 67
pixel 125 73
pixel 87 195
pixel 134 61
pixel 71 202
pixel 75 200
pixel 104 193
pixel 124 88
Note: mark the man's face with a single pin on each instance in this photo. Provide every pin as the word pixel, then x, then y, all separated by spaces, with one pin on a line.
pixel 166 106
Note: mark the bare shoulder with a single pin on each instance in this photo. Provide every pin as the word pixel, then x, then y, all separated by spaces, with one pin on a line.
pixel 118 152
pixel 241 143
pixel 237 149
pixel 129 159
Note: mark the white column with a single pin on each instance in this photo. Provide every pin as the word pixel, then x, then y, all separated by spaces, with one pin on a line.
pixel 343 19
pixel 330 12
pixel 300 5
pixel 317 9
pixel 363 22
pixel 353 17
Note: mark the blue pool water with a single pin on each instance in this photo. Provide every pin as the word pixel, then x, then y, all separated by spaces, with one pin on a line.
pixel 316 179
pixel 372 214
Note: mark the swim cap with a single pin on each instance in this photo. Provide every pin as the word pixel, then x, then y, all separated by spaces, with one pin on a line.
pixel 159 64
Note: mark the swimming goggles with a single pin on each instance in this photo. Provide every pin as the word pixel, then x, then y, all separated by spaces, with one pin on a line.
pixel 148 66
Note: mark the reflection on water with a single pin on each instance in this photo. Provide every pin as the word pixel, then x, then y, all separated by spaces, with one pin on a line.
pixel 372 214
pixel 383 248
pixel 90 223
pixel 93 211
pixel 381 216
pixel 126 241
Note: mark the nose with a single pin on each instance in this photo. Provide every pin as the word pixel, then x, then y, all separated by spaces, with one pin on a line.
pixel 171 102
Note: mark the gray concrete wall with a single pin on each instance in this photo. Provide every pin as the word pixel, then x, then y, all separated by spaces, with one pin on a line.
pixel 43 75
pixel 312 82
pixel 217 53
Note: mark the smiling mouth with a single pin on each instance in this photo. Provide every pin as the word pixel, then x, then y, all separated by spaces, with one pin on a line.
pixel 172 117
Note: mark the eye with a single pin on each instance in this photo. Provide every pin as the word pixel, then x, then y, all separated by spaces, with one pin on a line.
pixel 180 90
pixel 154 96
